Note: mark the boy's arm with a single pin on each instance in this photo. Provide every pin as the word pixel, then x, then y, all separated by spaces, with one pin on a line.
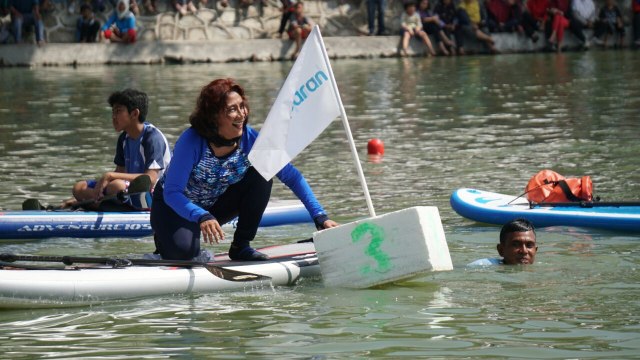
pixel 154 147
pixel 120 174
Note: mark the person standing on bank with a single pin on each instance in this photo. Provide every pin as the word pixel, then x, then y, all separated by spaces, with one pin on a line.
pixel 211 181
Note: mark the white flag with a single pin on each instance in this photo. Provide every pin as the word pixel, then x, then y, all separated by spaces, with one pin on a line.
pixel 306 104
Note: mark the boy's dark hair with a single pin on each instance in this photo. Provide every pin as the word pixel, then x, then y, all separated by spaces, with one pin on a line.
pixel 132 99
pixel 517 225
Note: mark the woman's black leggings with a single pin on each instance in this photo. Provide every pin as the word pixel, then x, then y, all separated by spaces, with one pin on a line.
pixel 177 238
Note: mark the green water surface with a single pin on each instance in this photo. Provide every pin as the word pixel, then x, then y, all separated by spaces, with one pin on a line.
pixel 484 122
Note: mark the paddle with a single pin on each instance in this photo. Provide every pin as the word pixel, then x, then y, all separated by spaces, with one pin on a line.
pixel 219 271
pixel 587 204
pixel 140 184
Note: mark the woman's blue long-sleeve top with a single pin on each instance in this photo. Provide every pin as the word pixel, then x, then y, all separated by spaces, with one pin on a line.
pixel 189 150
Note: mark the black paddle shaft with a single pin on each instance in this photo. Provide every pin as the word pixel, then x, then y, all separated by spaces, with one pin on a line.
pixel 219 271
pixel 587 204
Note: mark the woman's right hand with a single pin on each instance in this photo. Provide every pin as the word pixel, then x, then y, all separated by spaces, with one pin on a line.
pixel 211 231
pixel 330 224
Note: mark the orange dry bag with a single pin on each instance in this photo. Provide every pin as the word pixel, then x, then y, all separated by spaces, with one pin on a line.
pixel 549 186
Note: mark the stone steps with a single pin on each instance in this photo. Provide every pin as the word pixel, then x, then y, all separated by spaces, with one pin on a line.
pixel 220 51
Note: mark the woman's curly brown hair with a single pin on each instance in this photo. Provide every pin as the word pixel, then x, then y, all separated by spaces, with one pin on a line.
pixel 211 103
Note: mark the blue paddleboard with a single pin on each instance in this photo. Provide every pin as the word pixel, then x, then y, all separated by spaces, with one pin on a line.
pixel 493 208
pixel 39 224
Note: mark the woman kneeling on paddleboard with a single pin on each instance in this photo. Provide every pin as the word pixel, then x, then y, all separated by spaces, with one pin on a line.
pixel 211 181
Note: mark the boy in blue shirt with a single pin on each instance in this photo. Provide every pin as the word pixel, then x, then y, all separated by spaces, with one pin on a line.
pixel 141 149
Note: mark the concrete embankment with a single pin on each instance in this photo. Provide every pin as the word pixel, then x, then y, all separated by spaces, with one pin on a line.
pixel 156 52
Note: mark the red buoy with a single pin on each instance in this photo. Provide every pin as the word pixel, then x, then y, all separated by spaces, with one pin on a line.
pixel 375 147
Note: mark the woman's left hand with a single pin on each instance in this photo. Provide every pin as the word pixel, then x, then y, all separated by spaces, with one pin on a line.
pixel 211 231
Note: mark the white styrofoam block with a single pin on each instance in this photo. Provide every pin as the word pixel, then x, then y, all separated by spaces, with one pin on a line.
pixel 384 248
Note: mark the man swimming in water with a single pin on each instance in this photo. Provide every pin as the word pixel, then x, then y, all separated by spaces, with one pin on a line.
pixel 517 245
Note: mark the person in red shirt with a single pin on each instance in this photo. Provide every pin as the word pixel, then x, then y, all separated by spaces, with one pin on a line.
pixel 499 15
pixel 560 19
pixel 558 22
pixel 538 10
pixel 510 16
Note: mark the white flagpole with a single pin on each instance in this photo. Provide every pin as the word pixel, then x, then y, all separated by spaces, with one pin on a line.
pixel 345 122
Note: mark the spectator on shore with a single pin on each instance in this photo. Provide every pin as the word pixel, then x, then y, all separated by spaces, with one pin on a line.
pixel 561 19
pixel 133 6
pixel 509 16
pixel 184 6
pixel 87 26
pixel 432 25
pixel 525 22
pixel 287 10
pixel 609 22
pixel 583 16
pixel 446 11
pixel 411 26
pixel 299 27
pixel 5 34
pixel 539 12
pixel 376 7
pixel 635 13
pixel 498 16
pixel 150 6
pixel 121 25
pixel 557 23
pixel 25 13
pixel 472 20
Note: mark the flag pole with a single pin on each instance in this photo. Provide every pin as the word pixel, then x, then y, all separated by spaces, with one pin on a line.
pixel 345 122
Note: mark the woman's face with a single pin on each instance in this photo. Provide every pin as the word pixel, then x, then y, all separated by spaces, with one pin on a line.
pixel 232 117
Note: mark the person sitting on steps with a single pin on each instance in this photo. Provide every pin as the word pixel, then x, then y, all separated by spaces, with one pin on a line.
pixel 299 28
pixel 411 26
